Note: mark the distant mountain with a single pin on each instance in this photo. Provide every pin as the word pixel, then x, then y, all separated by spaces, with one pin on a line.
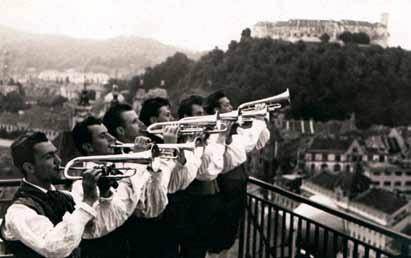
pixel 122 55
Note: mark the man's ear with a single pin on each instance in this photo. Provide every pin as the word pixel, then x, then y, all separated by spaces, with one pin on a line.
pixel 87 147
pixel 120 131
pixel 28 167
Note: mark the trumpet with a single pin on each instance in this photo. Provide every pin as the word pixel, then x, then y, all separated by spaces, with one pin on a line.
pixel 169 150
pixel 273 103
pixel 190 127
pixel 247 111
pixel 145 157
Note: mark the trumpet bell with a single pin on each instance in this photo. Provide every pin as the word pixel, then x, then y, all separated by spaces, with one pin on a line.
pixel 272 103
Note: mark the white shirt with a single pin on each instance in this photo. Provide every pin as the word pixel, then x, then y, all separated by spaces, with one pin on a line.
pixel 212 158
pixel 38 232
pixel 244 142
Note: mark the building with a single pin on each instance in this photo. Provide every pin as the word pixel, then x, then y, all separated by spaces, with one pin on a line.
pixel 71 75
pixel 311 30
pixel 352 193
pixel 390 176
pixel 6 89
pixel 332 154
pixel 382 207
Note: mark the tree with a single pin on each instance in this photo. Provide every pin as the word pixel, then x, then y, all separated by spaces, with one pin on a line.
pixel 361 38
pixel 325 38
pixel 58 101
pixel 346 37
pixel 13 102
pixel 245 34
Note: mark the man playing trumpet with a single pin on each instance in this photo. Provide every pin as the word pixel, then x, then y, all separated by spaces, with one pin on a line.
pixel 146 226
pixel 91 137
pixel 43 222
pixel 232 181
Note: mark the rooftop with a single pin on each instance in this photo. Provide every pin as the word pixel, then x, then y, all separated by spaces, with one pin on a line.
pixel 351 183
pixel 381 200
pixel 330 144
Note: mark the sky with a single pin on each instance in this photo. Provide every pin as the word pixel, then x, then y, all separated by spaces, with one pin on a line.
pixel 191 24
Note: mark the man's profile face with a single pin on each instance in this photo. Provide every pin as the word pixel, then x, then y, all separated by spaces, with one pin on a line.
pixel 164 114
pixel 46 162
pixel 133 127
pixel 101 140
pixel 197 110
pixel 224 105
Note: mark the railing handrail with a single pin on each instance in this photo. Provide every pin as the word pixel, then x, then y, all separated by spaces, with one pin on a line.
pixel 17 182
pixel 341 214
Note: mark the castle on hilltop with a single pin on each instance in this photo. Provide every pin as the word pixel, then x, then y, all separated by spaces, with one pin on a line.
pixel 311 30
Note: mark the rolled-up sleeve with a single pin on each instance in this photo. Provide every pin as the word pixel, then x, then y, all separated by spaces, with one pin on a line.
pixel 38 232
pixel 182 175
pixel 155 194
pixel 212 162
pixel 111 212
pixel 255 137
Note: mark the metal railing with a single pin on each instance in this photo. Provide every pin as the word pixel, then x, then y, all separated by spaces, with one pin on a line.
pixel 272 230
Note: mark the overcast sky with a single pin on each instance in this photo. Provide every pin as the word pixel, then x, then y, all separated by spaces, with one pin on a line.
pixel 193 24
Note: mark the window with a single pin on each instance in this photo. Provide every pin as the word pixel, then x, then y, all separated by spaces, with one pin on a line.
pixel 348 168
pixel 397 183
pixel 408 183
pixel 377 173
pixel 408 173
pixel 308 156
pixel 312 167
pixel 387 183
pixel 337 167
pixel 398 173
pixel 337 158
pixel 387 173
pixel 324 166
pixel 382 158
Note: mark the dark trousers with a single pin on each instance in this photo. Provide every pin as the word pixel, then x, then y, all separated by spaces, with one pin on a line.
pixel 233 200
pixel 200 219
pixel 115 244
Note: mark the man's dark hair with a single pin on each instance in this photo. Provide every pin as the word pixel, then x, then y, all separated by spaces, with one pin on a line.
pixel 81 133
pixel 151 107
pixel 112 118
pixel 212 101
pixel 22 148
pixel 185 108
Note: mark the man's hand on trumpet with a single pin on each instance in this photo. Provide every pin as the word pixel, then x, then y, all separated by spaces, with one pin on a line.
pixel 90 179
pixel 170 134
pixel 142 143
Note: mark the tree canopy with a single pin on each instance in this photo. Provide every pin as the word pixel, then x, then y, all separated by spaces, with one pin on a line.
pixel 326 80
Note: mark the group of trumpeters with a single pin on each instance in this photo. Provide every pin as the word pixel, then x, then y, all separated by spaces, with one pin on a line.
pixel 144 186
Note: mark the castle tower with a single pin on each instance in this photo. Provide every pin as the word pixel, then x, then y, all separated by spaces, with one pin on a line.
pixel 384 19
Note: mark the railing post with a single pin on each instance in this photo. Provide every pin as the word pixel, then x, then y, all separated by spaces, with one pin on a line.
pixel 405 249
pixel 242 236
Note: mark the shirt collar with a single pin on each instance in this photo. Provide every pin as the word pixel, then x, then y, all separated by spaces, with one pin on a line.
pixel 52 188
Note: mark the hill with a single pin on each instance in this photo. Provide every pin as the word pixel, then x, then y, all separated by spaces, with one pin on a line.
pixel 126 55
